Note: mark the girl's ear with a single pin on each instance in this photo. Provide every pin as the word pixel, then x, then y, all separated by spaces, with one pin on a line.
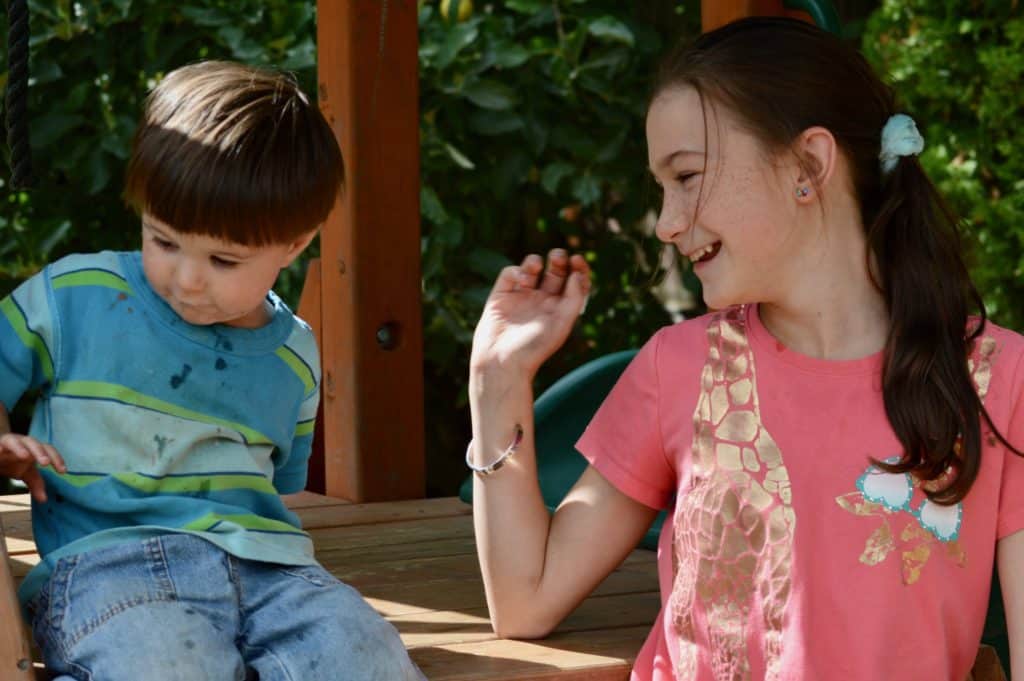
pixel 818 152
pixel 296 247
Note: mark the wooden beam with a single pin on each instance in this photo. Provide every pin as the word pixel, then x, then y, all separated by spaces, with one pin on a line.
pixel 15 658
pixel 370 250
pixel 716 13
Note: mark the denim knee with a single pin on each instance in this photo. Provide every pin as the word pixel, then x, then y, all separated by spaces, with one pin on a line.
pixel 336 634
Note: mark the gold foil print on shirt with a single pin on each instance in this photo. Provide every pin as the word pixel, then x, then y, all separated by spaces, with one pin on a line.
pixel 931 529
pixel 734 526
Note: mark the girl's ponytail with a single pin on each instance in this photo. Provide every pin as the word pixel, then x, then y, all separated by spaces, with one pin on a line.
pixel 930 398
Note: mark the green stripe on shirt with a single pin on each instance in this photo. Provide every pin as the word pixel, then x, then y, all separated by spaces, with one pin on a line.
pixel 32 340
pixel 191 484
pixel 177 484
pixel 300 368
pixel 248 521
pixel 91 278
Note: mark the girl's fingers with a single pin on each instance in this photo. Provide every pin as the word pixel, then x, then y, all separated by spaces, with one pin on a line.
pixel 508 280
pixel 514 277
pixel 556 272
pixel 577 288
pixel 578 263
pixel 531 268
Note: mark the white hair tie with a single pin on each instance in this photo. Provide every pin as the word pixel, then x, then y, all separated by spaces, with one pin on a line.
pixel 900 137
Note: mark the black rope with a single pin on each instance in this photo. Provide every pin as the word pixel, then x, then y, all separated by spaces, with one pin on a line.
pixel 17 94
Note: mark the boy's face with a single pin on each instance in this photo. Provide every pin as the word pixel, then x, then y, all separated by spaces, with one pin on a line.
pixel 209 281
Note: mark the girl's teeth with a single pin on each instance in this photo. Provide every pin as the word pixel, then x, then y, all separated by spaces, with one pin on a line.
pixel 694 257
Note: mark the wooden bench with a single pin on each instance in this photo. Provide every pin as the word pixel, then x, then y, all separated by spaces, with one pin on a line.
pixel 415 562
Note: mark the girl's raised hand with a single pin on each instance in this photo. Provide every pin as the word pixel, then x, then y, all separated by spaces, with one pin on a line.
pixel 530 312
pixel 19 457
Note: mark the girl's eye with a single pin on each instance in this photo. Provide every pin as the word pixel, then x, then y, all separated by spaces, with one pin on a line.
pixel 682 178
pixel 221 262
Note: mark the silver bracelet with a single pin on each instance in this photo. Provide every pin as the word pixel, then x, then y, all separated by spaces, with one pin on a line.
pixel 500 461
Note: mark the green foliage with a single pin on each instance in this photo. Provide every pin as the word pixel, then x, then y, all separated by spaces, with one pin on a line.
pixel 532 137
pixel 957 67
pixel 92 63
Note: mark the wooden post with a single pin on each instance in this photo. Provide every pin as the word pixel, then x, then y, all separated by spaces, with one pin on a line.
pixel 715 13
pixel 372 334
pixel 15 657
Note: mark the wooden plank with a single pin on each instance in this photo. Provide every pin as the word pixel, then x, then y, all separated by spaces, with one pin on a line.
pixel 411 531
pixel 394 599
pixel 341 515
pixel 472 625
pixel 309 499
pixel 15 657
pixel 370 248
pixel 575 656
pixel 987 666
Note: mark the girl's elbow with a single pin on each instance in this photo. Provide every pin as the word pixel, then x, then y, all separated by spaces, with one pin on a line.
pixel 525 626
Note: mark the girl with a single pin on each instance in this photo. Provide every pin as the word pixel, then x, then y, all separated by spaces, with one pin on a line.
pixel 836 442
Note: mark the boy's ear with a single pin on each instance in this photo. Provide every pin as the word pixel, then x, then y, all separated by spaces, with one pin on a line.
pixel 296 247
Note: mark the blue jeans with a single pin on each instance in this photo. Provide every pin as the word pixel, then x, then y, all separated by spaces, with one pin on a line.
pixel 176 607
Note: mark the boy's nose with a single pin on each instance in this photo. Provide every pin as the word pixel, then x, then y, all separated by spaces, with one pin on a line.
pixel 189 278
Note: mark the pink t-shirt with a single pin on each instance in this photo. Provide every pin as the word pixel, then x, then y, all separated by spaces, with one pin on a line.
pixel 786 554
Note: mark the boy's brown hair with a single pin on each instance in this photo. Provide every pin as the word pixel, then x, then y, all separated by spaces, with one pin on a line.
pixel 234 152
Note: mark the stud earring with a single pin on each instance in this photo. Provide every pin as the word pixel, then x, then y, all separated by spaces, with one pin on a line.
pixel 801 192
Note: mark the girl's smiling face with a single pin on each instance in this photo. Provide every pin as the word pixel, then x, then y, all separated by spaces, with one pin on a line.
pixel 728 206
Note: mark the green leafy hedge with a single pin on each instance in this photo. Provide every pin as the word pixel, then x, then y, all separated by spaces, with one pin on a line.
pixel 91 66
pixel 958 67
pixel 532 137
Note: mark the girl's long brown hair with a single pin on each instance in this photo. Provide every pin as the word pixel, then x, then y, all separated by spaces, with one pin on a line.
pixel 782 76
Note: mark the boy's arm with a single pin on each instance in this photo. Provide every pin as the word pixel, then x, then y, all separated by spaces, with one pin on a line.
pixel 290 478
pixel 27 350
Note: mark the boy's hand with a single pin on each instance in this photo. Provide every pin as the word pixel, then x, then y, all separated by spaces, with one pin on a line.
pixel 19 456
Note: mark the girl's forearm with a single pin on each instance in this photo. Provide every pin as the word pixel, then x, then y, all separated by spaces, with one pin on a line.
pixel 509 516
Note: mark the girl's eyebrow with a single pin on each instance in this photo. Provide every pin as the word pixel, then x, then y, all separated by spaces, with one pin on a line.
pixel 679 152
pixel 667 160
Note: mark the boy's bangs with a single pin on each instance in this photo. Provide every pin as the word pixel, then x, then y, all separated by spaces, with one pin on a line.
pixel 248 195
pixel 234 153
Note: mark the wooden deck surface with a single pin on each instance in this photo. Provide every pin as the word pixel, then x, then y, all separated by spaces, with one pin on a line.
pixel 415 562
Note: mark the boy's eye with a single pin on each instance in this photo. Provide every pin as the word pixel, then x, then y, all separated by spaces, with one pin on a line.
pixel 221 262
pixel 164 243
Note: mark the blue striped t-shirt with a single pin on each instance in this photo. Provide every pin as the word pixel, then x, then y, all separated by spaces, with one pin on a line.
pixel 164 426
